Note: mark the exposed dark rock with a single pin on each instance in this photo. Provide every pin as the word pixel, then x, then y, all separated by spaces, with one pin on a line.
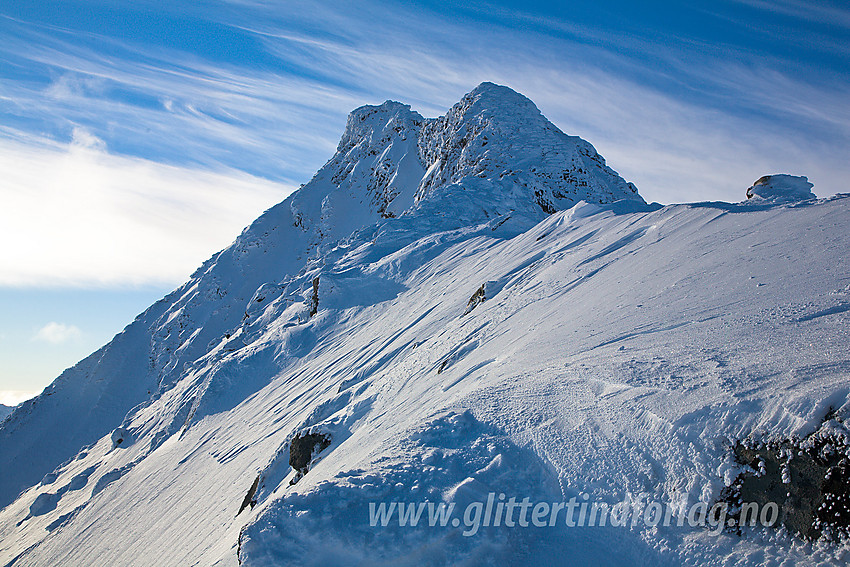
pixel 302 450
pixel 808 479
pixel 314 301
pixel 249 498
pixel 478 297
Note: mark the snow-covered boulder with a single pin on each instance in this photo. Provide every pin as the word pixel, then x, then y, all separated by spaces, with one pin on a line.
pixel 782 187
pixel 120 437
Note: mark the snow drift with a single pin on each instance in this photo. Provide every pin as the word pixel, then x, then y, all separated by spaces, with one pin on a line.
pixel 781 188
pixel 450 308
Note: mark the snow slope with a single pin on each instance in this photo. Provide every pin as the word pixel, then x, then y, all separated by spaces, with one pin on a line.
pixel 379 171
pixel 618 348
pixel 4 411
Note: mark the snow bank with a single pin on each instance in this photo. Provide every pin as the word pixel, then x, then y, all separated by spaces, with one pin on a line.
pixel 782 188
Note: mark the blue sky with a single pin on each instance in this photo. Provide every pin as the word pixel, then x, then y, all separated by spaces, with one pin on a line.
pixel 137 138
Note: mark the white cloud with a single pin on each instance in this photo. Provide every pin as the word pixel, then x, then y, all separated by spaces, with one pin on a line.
pixel 57 333
pixel 818 12
pixel 74 215
pixel 82 138
pixel 14 397
pixel 71 86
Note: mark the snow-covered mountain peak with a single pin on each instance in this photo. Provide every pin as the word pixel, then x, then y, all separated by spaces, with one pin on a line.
pixel 372 175
pixel 451 309
pixel 369 124
pixel 498 101
pixel 497 134
pixel 491 154
pixel 396 177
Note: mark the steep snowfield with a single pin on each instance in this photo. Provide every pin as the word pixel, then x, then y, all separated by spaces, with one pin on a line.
pixel 4 411
pixel 379 170
pixel 619 347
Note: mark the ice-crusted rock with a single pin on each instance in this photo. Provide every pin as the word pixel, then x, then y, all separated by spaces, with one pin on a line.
pixel 390 159
pixel 373 174
pixel 498 134
pixel 782 188
pixel 120 437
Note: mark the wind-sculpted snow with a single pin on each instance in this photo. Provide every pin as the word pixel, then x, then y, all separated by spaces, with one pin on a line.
pixel 781 188
pixel 497 134
pixel 378 172
pixel 617 348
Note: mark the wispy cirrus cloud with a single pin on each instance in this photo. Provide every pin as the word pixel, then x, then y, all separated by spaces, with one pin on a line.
pixel 80 216
pixel 833 14
pixel 57 333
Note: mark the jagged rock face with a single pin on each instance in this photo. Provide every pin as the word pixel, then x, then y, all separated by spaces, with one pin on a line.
pixel 373 174
pixel 498 134
pixel 390 159
pixel 781 187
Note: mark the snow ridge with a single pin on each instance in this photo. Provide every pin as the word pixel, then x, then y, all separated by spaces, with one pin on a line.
pixel 455 306
pixel 483 160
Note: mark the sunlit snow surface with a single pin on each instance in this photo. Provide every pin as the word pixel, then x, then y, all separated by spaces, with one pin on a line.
pixel 781 188
pixel 619 348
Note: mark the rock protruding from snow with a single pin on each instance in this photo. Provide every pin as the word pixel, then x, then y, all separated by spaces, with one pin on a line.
pixel 782 188
pixel 493 149
pixel 120 437
pixel 479 297
pixel 498 134
pixel 302 450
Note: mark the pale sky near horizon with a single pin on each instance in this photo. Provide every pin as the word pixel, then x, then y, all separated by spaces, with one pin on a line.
pixel 138 138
